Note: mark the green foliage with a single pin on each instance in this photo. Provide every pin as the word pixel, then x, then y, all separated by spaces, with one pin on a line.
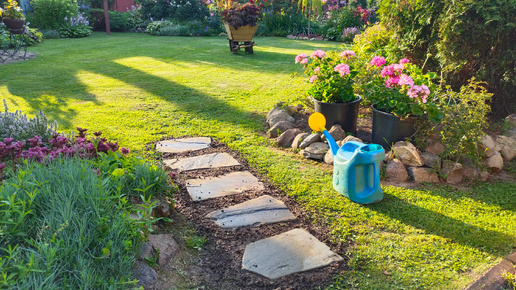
pixel 510 280
pixel 74 31
pixel 373 41
pixel 187 28
pixel 118 21
pixel 32 36
pixel 135 174
pixel 16 125
pixel 467 39
pixel 195 242
pixel 282 24
pixel 62 227
pixel 178 10
pixel 50 34
pixel 51 14
pixel 338 20
pixel 464 121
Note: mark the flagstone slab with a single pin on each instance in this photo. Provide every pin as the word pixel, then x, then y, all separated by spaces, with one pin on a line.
pixel 183 145
pixel 291 252
pixel 214 160
pixel 231 183
pixel 255 212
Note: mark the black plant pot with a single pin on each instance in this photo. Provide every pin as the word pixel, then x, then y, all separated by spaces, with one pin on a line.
pixel 14 24
pixel 389 129
pixel 344 114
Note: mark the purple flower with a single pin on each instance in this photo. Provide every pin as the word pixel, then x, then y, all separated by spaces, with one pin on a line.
pixel 124 150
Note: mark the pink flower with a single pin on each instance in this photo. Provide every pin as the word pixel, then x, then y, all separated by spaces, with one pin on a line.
pixel 318 54
pixel 398 68
pixel 387 71
pixel 347 54
pixel 404 60
pixel 313 79
pixel 406 80
pixel 317 70
pixel 377 61
pixel 304 60
pixel 342 69
pixel 392 81
pixel 419 91
pixel 301 57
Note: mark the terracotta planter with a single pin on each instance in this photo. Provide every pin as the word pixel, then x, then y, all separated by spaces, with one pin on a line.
pixel 242 33
pixel 14 24
pixel 389 129
pixel 344 114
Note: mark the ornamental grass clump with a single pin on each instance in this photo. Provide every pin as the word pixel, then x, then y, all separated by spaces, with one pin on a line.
pixel 331 75
pixel 400 89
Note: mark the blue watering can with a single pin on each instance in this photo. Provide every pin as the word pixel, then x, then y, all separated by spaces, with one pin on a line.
pixel 356 166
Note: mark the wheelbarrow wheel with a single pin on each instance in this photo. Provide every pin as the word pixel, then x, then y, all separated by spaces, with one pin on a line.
pixel 249 47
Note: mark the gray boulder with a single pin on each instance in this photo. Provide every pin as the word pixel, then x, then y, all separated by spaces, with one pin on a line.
pixel 452 171
pixel 315 151
pixel 487 144
pixel 145 275
pixel 431 160
pixel 407 153
pixel 507 147
pixel 279 128
pixel 286 138
pixel 298 139
pixel 423 174
pixel 396 171
pixel 495 162
pixel 310 139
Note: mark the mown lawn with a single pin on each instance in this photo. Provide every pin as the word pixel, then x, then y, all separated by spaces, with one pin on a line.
pixel 136 88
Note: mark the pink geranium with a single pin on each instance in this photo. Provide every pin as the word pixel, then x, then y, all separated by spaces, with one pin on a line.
pixel 313 79
pixel 342 69
pixel 347 54
pixel 317 70
pixel 406 80
pixel 377 61
pixel 301 57
pixel 404 60
pixel 318 54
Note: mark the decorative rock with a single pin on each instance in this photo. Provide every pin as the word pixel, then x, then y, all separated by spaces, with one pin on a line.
pixel 396 171
pixel 452 171
pixel 486 143
pixel 165 245
pixel 146 251
pixel 214 160
pixel 511 134
pixel 511 119
pixel 259 211
pixel 278 115
pixel 232 183
pixel 290 36
pixel 351 138
pixel 299 138
pixel 431 160
pixel 315 151
pixel 484 175
pixel 291 110
pixel 337 132
pixel 279 128
pixel 286 138
pixel 435 148
pixel 312 138
pixel 423 174
pixel 507 147
pixel 407 153
pixel 470 172
pixel 162 209
pixel 145 275
pixel 328 157
pixel 495 162
pixel 291 252
pixel 183 145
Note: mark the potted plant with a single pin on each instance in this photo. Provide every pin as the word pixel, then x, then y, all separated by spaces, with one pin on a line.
pixel 12 16
pixel 241 22
pixel 400 94
pixel 331 75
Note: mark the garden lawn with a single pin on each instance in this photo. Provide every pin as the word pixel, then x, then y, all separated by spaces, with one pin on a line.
pixel 136 88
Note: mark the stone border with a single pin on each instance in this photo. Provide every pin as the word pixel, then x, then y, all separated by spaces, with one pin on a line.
pixel 19 57
pixel 493 279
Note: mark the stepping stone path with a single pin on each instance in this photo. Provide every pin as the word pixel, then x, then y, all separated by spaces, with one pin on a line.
pixel 287 253
pixel 259 211
pixel 232 183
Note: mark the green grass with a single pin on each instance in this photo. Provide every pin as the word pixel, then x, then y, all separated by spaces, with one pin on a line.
pixel 138 88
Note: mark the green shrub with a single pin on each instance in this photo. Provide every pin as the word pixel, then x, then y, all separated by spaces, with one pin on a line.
pixel 177 10
pixel 373 41
pixel 464 122
pixel 282 24
pixel 64 227
pixel 17 126
pixel 52 14
pixel 467 39
pixel 338 19
pixel 75 27
pixel 50 34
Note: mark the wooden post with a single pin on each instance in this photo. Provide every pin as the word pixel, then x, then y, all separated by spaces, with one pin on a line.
pixel 106 17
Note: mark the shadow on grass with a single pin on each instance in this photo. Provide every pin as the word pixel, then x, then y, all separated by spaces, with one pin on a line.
pixel 485 240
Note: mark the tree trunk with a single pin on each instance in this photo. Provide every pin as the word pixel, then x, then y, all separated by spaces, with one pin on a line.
pixel 106 17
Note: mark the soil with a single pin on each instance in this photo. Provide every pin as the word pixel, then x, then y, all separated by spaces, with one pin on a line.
pixel 218 264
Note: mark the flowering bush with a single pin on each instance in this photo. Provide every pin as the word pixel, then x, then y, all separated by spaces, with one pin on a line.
pixel 241 15
pixel 331 75
pixel 400 88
